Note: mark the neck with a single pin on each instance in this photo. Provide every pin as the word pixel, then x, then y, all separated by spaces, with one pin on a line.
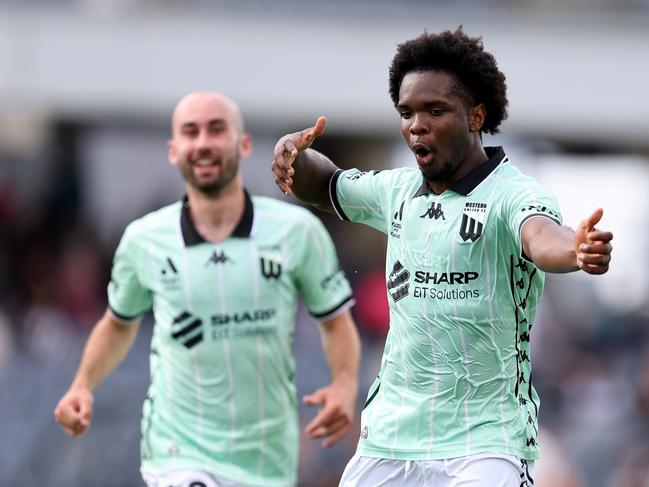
pixel 216 216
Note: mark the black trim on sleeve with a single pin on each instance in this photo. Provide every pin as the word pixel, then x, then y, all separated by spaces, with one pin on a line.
pixel 333 310
pixel 126 318
pixel 334 197
pixel 520 228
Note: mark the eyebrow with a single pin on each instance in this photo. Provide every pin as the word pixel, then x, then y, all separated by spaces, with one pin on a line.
pixel 213 122
pixel 428 104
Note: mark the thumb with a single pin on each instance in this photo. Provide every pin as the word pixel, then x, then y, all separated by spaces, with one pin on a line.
pixel 316 131
pixel 595 217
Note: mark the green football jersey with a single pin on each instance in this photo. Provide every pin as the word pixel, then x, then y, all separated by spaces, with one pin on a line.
pixel 222 395
pixel 455 376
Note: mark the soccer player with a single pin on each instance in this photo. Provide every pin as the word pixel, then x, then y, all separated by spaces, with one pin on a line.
pixel 222 271
pixel 469 240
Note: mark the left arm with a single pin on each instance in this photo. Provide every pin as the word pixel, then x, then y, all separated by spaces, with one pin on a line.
pixel 342 350
pixel 557 248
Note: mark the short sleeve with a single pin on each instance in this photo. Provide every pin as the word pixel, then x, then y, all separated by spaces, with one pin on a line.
pixel 361 196
pixel 127 297
pixel 528 201
pixel 320 280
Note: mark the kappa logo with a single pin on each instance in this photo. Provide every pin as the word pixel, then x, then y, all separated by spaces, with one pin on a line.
pixel 434 212
pixel 398 282
pixel 473 219
pixel 218 258
pixel 187 329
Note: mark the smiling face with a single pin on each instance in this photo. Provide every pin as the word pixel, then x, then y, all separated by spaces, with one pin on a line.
pixel 438 125
pixel 207 140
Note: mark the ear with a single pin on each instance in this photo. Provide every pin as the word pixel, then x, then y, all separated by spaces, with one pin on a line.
pixel 171 152
pixel 245 145
pixel 477 115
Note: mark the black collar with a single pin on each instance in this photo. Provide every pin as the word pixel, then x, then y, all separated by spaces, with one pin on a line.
pixel 191 235
pixel 469 182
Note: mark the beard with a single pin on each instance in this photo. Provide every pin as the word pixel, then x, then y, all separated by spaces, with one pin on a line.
pixel 450 165
pixel 443 175
pixel 228 171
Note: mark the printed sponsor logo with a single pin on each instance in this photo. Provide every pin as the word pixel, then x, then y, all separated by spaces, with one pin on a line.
pixel 540 209
pixel 333 281
pixel 187 329
pixel 398 282
pixel 364 432
pixel 395 229
pixel 169 272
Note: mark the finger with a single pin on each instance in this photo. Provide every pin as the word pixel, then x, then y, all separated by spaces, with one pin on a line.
pixel 323 418
pixel 596 248
pixel 595 217
pixel 338 422
pixel 283 187
pixel 599 236
pixel 336 437
pixel 594 259
pixel 593 269
pixel 315 399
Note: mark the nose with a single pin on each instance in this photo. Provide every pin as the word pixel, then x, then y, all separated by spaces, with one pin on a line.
pixel 202 143
pixel 418 125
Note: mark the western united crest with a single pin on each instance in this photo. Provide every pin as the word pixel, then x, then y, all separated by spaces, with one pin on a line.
pixel 473 220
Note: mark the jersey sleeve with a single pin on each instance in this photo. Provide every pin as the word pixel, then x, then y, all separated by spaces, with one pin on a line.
pixel 529 201
pixel 127 297
pixel 320 280
pixel 361 196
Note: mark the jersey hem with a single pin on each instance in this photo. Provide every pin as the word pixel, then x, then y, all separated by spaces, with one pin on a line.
pixel 245 482
pixel 443 454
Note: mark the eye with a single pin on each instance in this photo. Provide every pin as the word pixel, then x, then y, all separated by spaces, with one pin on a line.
pixel 437 112
pixel 405 114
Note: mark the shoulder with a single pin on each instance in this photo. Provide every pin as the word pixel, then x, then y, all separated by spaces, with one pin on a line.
pixel 274 210
pixel 163 219
pixel 511 180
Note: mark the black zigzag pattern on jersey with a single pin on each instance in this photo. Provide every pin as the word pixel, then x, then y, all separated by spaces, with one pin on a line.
pixel 188 329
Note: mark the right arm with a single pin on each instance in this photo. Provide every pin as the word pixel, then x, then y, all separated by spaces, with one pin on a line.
pixel 302 171
pixel 108 344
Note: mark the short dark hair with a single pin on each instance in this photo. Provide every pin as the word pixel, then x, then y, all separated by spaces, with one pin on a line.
pixel 464 57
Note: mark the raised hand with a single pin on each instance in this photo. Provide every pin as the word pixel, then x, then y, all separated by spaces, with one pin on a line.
pixel 593 246
pixel 74 411
pixel 334 417
pixel 288 148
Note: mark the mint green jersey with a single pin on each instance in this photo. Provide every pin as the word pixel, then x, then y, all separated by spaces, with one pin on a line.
pixel 222 395
pixel 456 375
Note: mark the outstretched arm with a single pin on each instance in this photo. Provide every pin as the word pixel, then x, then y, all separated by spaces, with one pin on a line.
pixel 106 347
pixel 342 349
pixel 557 248
pixel 302 171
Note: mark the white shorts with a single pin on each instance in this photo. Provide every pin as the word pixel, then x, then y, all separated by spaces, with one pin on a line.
pixel 186 477
pixel 492 469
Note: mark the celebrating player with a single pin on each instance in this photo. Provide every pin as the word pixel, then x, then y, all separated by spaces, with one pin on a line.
pixel 222 271
pixel 469 240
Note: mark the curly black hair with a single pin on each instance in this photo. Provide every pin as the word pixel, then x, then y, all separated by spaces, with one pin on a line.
pixel 464 57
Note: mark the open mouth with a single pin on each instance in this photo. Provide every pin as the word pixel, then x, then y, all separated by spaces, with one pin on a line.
pixel 423 153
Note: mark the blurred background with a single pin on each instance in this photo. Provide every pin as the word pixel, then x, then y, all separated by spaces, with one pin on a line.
pixel 86 93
